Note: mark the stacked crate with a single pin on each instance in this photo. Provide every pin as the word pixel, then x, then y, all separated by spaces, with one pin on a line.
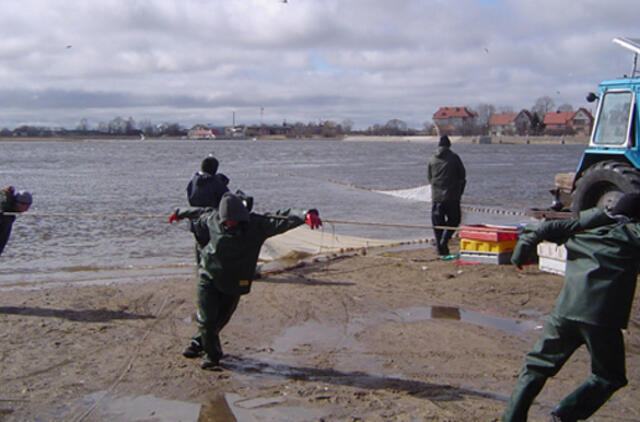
pixel 487 244
pixel 552 258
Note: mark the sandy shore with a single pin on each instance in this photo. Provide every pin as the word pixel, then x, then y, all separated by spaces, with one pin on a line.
pixel 399 336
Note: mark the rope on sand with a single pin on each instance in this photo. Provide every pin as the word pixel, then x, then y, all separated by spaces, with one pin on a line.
pixel 129 364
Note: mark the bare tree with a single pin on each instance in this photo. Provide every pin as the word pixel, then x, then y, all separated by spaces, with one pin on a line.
pixel 565 107
pixel 542 106
pixel 483 115
pixel 83 125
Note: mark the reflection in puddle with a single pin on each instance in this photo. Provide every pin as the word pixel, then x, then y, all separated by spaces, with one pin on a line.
pixel 415 314
pixel 225 407
pixel 142 408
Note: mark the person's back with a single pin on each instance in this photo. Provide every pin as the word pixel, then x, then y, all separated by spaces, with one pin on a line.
pixel 446 175
pixel 601 273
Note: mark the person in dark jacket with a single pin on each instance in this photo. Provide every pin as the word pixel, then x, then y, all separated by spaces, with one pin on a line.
pixel 11 201
pixel 206 187
pixel 603 257
pixel 228 260
pixel 448 178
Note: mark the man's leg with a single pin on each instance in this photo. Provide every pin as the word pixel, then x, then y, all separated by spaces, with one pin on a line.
pixel 438 219
pixel 551 351
pixel 208 317
pixel 606 347
pixel 452 219
pixel 194 348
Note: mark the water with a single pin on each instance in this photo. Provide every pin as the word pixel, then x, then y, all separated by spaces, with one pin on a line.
pixel 149 178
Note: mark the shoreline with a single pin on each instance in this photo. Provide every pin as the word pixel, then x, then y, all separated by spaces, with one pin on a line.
pixel 350 138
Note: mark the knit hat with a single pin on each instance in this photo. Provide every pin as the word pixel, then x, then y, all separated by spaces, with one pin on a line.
pixel 232 208
pixel 209 164
pixel 628 205
pixel 23 197
pixel 444 141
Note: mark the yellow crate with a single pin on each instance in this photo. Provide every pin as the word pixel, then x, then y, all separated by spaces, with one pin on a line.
pixel 483 246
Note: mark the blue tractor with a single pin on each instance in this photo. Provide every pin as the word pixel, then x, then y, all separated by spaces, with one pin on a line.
pixel 610 166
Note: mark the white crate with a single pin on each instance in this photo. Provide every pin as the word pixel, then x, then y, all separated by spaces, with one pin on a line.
pixel 551 250
pixel 552 258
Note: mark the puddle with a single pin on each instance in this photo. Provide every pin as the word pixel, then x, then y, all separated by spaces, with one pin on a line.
pixel 416 314
pixel 225 407
pixel 141 408
pixel 234 408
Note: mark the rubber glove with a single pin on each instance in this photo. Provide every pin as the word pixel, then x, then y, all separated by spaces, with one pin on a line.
pixel 173 218
pixel 313 219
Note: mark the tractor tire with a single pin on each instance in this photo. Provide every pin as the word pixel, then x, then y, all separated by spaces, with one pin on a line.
pixel 602 184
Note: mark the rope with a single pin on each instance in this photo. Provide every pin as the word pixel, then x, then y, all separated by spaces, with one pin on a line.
pixel 350 222
pixel 135 352
pixel 88 215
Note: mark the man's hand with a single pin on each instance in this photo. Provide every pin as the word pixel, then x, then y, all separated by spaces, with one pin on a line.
pixel 173 218
pixel 313 219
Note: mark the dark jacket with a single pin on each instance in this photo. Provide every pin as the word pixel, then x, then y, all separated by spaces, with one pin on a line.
pixel 7 204
pixel 229 258
pixel 603 259
pixel 447 176
pixel 205 190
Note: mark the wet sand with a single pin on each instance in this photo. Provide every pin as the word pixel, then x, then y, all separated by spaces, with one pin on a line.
pixel 395 336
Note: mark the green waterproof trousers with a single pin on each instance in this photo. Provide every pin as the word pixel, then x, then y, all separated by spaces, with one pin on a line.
pixel 559 339
pixel 214 312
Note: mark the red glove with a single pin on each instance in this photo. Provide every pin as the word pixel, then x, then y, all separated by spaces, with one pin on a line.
pixel 173 218
pixel 313 220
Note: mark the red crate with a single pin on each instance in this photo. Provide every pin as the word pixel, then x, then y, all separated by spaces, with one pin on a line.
pixel 489 233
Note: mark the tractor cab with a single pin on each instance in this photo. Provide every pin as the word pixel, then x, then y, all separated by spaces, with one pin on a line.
pixel 610 165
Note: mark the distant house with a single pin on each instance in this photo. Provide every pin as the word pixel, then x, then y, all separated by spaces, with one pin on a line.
pixel 201 134
pixel 510 123
pixel 453 120
pixel 568 122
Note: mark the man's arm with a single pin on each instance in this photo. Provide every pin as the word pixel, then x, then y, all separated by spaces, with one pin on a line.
pixel 557 231
pixel 284 220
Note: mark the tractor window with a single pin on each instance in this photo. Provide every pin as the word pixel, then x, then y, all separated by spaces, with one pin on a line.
pixel 613 121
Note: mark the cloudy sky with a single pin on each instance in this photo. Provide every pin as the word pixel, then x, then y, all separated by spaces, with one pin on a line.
pixel 368 61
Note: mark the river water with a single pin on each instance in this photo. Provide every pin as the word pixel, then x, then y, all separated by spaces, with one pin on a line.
pixel 356 181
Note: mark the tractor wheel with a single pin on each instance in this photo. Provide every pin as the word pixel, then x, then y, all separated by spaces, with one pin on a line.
pixel 602 184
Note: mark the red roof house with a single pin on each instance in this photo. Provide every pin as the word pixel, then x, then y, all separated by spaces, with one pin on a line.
pixel 452 120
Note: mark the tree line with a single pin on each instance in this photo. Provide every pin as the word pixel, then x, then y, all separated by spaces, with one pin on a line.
pixel 118 126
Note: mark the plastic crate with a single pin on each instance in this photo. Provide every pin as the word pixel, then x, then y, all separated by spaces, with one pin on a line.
pixel 483 246
pixel 552 258
pixel 550 265
pixel 552 250
pixel 486 257
pixel 489 233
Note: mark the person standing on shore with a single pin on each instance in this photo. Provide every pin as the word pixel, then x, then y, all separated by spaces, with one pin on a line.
pixel 447 177
pixel 228 260
pixel 11 201
pixel 205 189
pixel 603 252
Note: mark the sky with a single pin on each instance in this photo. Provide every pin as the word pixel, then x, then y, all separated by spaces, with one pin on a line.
pixel 270 61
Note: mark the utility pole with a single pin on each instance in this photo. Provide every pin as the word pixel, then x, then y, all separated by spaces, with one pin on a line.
pixel 261 123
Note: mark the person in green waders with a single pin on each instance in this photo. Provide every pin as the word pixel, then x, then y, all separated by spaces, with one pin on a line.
pixel 228 260
pixel 603 258
pixel 11 201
